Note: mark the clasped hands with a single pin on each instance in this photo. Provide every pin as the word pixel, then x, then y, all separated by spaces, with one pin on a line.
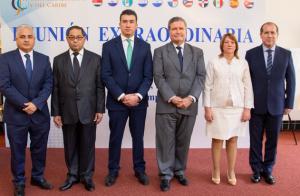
pixel 182 103
pixel 29 108
pixel 130 100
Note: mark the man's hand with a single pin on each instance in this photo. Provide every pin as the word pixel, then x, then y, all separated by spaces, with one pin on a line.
pixel 287 111
pixel 98 118
pixel 185 103
pixel 30 108
pixel 176 101
pixel 57 121
pixel 131 100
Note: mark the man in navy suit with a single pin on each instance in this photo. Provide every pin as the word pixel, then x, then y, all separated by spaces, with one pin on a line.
pixel 26 83
pixel 127 75
pixel 273 80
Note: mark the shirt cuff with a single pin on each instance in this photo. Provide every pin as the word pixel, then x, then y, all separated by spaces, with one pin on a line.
pixel 193 98
pixel 121 96
pixel 140 96
pixel 169 101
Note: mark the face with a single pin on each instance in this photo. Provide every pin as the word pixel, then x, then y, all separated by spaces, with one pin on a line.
pixel 229 46
pixel 177 32
pixel 269 35
pixel 76 40
pixel 25 39
pixel 128 25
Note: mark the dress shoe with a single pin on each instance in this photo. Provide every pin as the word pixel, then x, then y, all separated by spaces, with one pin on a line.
pixel 142 177
pixel 89 185
pixel 231 181
pixel 67 184
pixel 43 184
pixel 110 180
pixel 182 180
pixel 255 178
pixel 164 185
pixel 269 178
pixel 19 190
pixel 215 180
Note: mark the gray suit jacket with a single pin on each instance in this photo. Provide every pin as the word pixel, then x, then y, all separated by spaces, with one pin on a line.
pixel 81 99
pixel 170 81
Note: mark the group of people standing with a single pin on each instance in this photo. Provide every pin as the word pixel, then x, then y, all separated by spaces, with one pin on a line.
pixel 260 89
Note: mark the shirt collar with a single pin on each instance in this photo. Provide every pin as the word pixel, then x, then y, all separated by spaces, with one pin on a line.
pixel 181 45
pixel 266 48
pixel 125 38
pixel 80 52
pixel 23 53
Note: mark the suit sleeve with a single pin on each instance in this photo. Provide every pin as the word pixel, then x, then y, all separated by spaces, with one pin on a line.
pixel 198 84
pixel 290 83
pixel 41 100
pixel 148 73
pixel 159 76
pixel 100 89
pixel 12 95
pixel 55 111
pixel 106 74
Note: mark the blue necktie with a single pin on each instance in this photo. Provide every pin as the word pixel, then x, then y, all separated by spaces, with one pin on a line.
pixel 28 66
pixel 269 61
pixel 180 57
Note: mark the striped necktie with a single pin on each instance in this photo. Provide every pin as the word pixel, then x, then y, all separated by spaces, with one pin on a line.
pixel 269 61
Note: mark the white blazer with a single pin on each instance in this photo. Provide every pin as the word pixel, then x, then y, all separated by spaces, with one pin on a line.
pixel 224 81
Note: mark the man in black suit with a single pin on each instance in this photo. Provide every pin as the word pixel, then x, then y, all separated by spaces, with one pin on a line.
pixel 78 104
pixel 273 79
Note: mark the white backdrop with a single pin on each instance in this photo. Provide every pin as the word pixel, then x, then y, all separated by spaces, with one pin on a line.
pixel 206 25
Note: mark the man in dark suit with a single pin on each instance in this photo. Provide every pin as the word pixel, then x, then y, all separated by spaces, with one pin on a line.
pixel 78 104
pixel 273 80
pixel 127 75
pixel 26 83
pixel 179 74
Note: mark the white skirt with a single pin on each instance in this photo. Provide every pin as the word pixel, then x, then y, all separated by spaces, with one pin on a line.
pixel 226 123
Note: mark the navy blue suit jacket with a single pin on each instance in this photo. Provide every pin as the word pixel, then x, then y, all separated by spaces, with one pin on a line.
pixel 119 79
pixel 275 92
pixel 18 90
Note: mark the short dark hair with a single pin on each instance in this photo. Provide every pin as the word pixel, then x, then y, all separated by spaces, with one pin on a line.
pixel 176 19
pixel 268 23
pixel 128 12
pixel 75 27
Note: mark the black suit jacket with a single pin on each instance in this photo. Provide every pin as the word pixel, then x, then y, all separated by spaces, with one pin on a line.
pixel 81 99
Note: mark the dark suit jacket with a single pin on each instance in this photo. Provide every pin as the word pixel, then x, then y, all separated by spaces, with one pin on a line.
pixel 81 99
pixel 275 92
pixel 170 81
pixel 118 79
pixel 18 90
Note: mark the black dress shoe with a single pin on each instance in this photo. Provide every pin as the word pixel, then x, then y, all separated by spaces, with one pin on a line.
pixel 142 177
pixel 19 190
pixel 67 184
pixel 164 185
pixel 182 180
pixel 269 178
pixel 43 184
pixel 89 185
pixel 255 178
pixel 110 180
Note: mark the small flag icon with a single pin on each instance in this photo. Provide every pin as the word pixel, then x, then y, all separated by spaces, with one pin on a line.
pixel 97 3
pixel 234 3
pixel 127 3
pixel 142 3
pixel 218 3
pixel 187 3
pixel 249 4
pixel 203 3
pixel 157 3
pixel 173 3
pixel 113 3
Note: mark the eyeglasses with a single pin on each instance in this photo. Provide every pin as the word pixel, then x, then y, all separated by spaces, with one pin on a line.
pixel 72 38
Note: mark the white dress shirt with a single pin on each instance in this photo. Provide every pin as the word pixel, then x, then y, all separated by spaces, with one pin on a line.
pixel 266 53
pixel 24 58
pixel 79 56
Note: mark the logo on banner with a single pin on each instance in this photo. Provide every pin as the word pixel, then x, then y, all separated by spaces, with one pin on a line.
pixel 20 5
pixel 173 3
pixel 187 3
pixel 249 4
pixel 127 3
pixel 218 3
pixel 143 3
pixel 157 3
pixel 203 3
pixel 97 3
pixel 234 3
pixel 113 2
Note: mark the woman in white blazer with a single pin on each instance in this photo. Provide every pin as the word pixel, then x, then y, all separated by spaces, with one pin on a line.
pixel 228 98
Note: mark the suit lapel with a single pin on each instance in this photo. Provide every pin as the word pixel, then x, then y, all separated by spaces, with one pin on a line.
pixel 187 57
pixel 119 46
pixel 68 67
pixel 35 68
pixel 136 49
pixel 173 56
pixel 21 67
pixel 275 59
pixel 261 57
pixel 84 64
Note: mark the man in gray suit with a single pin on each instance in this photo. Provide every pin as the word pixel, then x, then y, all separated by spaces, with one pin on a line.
pixel 77 106
pixel 179 74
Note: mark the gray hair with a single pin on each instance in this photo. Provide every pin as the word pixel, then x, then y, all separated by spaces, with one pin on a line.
pixel 23 26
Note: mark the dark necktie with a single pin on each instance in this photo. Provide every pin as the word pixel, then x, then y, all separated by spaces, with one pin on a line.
pixel 76 66
pixel 180 57
pixel 269 61
pixel 28 66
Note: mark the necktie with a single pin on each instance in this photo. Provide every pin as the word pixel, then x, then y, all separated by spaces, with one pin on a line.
pixel 28 66
pixel 180 57
pixel 129 53
pixel 269 61
pixel 76 67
